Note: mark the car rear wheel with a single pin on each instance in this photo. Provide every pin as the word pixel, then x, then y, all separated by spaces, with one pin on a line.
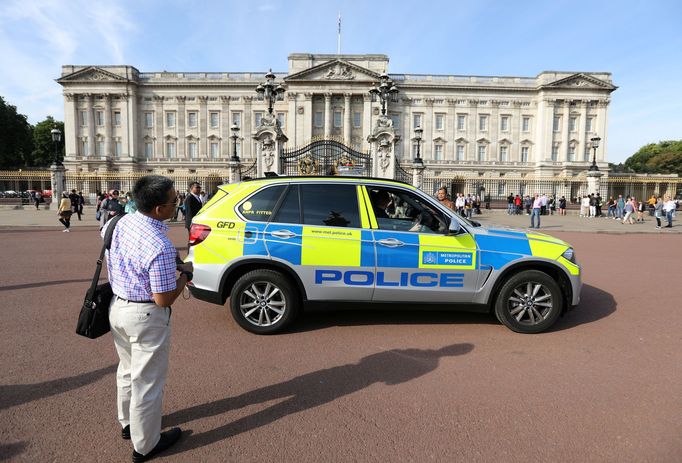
pixel 529 302
pixel 264 301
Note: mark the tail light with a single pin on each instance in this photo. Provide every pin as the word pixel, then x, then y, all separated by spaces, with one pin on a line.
pixel 198 233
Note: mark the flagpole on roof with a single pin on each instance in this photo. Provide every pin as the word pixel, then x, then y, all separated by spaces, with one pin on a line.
pixel 338 45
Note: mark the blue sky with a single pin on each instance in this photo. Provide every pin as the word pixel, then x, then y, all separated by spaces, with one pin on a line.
pixel 639 42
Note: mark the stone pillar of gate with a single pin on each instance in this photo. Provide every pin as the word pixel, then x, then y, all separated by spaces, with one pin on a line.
pixel 235 172
pixel 594 182
pixel 58 178
pixel 271 140
pixel 418 174
pixel 382 146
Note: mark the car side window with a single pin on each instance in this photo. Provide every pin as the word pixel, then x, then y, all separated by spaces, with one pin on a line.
pixel 404 211
pixel 259 207
pixel 330 205
pixel 290 210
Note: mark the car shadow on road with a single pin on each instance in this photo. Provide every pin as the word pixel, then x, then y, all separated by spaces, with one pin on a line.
pixel 311 390
pixel 18 394
pixel 595 304
pixel 43 283
pixel 8 451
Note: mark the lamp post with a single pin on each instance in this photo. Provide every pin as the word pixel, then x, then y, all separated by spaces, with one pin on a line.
pixel 384 91
pixel 234 137
pixel 418 138
pixel 595 144
pixel 56 138
pixel 270 91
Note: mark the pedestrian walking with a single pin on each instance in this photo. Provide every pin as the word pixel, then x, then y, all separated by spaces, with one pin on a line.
pixel 142 266
pixel 658 211
pixel 38 198
pixel 110 207
pixel 537 209
pixel 65 212
pixel 611 208
pixel 192 203
pixel 669 207
pixel 620 207
pixel 510 204
pixel 562 205
pixel 543 204
pixel 593 205
pixel 640 211
pixel 585 206
pixel 630 207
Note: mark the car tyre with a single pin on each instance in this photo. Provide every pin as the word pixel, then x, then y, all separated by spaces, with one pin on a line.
pixel 529 302
pixel 264 301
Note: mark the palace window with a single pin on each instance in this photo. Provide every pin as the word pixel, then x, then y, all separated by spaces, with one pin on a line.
pixel 586 155
pixel 257 118
pixel 319 121
pixel 170 120
pixel 461 122
pixel 438 152
pixel 148 150
pixel 170 150
pixel 555 152
pixel 459 153
pixel 117 149
pixel 84 148
pixel 357 119
pixel 192 120
pixel 482 122
pixel 481 153
pixel 589 124
pixel 84 118
pixel 395 118
pixel 503 153
pixel 504 123
pixel 148 120
pixel 572 124
pixel 557 123
pixel 214 150
pixel 99 115
pixel 282 119
pixel 99 149
pixel 117 118
pixel 525 124
pixel 192 150
pixel 571 153
pixel 337 119
pixel 524 154
pixel 440 122
pixel 416 121
pixel 214 119
pixel 237 119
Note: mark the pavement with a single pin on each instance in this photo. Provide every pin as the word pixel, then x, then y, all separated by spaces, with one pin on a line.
pixel 572 222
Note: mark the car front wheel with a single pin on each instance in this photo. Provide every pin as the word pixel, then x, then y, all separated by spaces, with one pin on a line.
pixel 264 301
pixel 529 302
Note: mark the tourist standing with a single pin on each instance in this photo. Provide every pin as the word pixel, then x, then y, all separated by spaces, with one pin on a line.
pixel 640 211
pixel 562 205
pixel 669 207
pixel 537 209
pixel 620 207
pixel 442 195
pixel 510 204
pixel 192 203
pixel 630 206
pixel 658 211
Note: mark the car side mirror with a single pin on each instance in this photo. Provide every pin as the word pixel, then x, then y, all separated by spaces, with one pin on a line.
pixel 454 227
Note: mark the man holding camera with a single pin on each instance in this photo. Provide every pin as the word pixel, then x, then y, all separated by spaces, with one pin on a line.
pixel 142 265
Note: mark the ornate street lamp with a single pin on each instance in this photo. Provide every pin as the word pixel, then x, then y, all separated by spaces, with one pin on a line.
pixel 384 91
pixel 595 144
pixel 56 138
pixel 234 137
pixel 270 91
pixel 418 138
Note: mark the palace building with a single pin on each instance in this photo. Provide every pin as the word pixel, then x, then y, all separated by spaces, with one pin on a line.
pixel 118 119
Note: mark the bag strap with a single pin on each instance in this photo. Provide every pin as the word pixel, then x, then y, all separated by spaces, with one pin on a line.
pixel 107 245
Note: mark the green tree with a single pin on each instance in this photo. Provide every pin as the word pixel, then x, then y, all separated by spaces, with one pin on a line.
pixel 664 157
pixel 43 146
pixel 16 137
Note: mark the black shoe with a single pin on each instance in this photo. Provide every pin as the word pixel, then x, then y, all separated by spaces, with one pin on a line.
pixel 668 226
pixel 167 439
pixel 125 433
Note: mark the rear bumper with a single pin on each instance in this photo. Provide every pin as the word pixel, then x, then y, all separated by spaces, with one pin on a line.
pixel 205 295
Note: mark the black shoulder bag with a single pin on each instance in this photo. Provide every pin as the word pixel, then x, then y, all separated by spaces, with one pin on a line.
pixel 93 321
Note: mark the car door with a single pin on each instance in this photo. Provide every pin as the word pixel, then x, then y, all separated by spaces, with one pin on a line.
pixel 417 260
pixel 319 229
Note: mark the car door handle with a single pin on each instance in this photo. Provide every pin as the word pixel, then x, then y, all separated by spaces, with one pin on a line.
pixel 391 242
pixel 284 234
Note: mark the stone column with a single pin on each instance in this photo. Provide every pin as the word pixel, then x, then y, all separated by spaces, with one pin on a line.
pixel 583 138
pixel 203 127
pixel 245 133
pixel 327 115
pixel 132 127
pixel 71 127
pixel 180 127
pixel 58 180
pixel 347 119
pixel 472 148
pixel 91 125
pixel 428 126
pixel 108 152
pixel 366 119
pixel 565 135
pixel 307 118
pixel 382 145
pixel 594 181
pixel 235 174
pixel 602 118
pixel 225 132
pixel 291 122
pixel 158 127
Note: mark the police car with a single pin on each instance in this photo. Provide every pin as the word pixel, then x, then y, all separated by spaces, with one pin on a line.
pixel 272 245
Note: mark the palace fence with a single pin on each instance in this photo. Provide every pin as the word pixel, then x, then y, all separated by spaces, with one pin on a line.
pixel 497 189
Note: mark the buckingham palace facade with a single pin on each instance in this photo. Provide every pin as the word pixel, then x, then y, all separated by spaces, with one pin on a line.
pixel 118 119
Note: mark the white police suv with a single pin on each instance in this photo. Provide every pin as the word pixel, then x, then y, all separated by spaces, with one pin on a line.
pixel 271 245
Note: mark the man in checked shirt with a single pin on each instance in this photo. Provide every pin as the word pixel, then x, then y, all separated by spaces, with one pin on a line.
pixel 142 272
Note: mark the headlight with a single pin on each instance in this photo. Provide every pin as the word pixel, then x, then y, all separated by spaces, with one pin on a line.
pixel 569 254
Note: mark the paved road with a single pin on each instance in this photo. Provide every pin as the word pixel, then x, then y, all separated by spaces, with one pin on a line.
pixel 356 386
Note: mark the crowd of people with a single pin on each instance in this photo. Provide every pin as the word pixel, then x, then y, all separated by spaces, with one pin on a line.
pixel 466 206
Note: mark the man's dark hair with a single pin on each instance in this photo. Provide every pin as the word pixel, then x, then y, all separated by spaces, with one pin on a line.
pixel 191 185
pixel 151 191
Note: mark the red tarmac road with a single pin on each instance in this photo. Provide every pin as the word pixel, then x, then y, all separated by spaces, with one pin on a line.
pixel 605 385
